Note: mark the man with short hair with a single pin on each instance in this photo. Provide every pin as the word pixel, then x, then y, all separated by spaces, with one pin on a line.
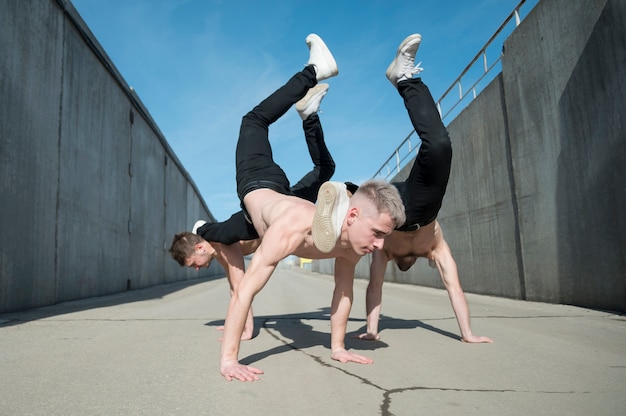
pixel 422 195
pixel 344 228
pixel 229 241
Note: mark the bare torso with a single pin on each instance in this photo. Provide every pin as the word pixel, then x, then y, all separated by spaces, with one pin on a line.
pixel 404 247
pixel 294 217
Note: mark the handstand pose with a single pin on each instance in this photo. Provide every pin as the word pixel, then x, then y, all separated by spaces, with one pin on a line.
pixel 229 241
pixel 422 195
pixel 337 227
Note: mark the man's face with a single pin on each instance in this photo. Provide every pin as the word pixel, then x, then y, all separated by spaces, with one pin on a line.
pixel 367 233
pixel 201 257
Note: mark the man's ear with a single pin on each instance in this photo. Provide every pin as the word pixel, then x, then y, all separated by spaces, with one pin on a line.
pixel 198 247
pixel 353 214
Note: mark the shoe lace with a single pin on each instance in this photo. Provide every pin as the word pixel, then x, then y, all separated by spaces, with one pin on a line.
pixel 418 68
pixel 411 69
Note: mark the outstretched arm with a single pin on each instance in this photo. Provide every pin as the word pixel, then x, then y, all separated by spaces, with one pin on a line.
pixel 340 312
pixel 278 242
pixel 231 259
pixel 240 303
pixel 442 256
pixel 374 294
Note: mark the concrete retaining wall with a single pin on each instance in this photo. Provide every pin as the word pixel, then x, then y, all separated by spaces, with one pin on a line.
pixel 566 103
pixel 91 192
pixel 536 200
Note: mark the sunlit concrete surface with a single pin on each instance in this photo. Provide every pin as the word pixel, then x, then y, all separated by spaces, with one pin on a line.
pixel 156 351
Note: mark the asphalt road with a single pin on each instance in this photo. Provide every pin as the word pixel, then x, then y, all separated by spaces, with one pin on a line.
pixel 156 352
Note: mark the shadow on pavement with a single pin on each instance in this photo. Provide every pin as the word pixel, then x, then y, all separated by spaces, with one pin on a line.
pixel 136 295
pixel 295 334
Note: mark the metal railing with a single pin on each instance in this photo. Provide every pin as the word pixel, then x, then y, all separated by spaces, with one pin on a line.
pixel 409 146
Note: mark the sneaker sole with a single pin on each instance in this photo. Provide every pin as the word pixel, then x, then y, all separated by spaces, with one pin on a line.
pixel 197 225
pixel 323 230
pixel 301 106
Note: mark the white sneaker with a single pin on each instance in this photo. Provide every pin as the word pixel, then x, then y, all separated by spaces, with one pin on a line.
pixel 330 212
pixel 310 103
pixel 320 56
pixel 197 225
pixel 403 66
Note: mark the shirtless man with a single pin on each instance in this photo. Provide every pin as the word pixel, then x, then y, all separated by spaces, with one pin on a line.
pixel 422 194
pixel 337 227
pixel 229 241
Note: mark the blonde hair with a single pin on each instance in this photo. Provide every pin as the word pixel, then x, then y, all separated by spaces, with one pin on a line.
pixel 384 197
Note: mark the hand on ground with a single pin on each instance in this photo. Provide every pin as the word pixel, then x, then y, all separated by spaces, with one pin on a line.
pixel 345 356
pixel 368 336
pixel 475 339
pixel 233 370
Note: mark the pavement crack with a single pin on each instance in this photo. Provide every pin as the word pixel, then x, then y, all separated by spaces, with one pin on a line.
pixel 385 406
pixel 321 361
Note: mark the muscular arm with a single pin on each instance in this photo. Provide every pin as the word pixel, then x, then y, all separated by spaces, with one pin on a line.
pixel 231 259
pixel 442 256
pixel 340 312
pixel 279 241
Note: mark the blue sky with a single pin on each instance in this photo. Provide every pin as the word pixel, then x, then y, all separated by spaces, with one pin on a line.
pixel 200 65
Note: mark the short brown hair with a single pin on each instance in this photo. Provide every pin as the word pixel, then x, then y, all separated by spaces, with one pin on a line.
pixel 184 245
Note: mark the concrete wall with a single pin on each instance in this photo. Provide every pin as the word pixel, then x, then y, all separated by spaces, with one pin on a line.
pixel 566 103
pixel 536 200
pixel 91 192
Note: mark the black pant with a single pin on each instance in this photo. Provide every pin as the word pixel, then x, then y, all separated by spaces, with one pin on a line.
pixel 256 124
pixel 255 167
pixel 323 163
pixel 423 191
